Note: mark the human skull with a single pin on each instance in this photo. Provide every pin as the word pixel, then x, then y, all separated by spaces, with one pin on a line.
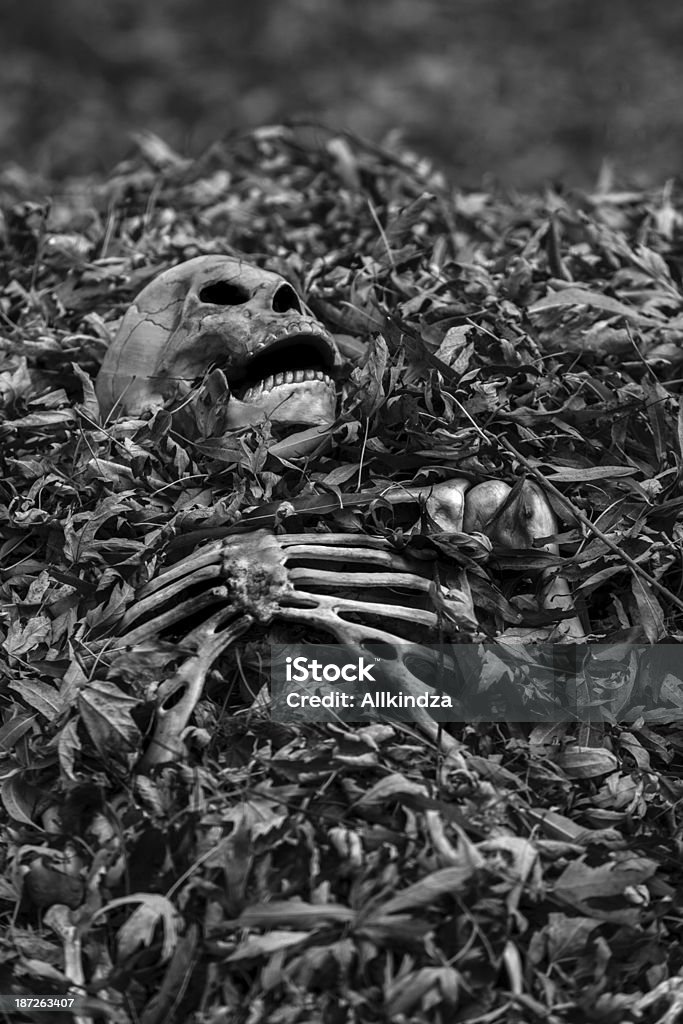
pixel 220 312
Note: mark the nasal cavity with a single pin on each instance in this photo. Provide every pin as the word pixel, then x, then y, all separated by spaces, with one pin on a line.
pixel 285 298
pixel 224 293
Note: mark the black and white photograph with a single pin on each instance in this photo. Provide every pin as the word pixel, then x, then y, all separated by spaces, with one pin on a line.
pixel 341 512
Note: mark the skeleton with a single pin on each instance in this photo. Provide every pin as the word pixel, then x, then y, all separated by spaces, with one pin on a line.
pixel 277 362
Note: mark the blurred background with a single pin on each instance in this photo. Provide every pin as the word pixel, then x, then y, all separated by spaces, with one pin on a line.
pixel 519 91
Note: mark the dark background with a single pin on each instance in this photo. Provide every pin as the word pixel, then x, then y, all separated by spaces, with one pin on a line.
pixel 520 91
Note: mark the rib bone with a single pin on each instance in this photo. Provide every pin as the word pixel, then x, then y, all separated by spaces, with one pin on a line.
pixel 263 579
pixel 320 581
pixel 326 616
pixel 171 721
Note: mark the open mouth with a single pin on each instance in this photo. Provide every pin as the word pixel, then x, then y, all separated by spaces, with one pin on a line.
pixel 298 356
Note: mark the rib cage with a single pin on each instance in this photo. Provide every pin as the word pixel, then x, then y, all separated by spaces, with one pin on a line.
pixel 355 588
pixel 300 571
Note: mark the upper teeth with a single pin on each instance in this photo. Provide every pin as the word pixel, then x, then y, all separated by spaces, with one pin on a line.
pixel 288 377
pixel 299 326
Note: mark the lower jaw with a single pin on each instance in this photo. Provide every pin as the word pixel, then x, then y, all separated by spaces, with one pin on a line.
pixel 310 404
pixel 301 423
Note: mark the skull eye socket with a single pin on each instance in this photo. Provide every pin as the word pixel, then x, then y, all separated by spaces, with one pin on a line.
pixel 285 298
pixel 224 293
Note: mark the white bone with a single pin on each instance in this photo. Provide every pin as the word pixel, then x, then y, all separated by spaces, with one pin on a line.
pixel 217 311
pixel 528 518
pixel 167 743
pixel 262 580
pixel 445 501
pixel 325 614
pixel 456 508
pixel 59 919
pixel 261 583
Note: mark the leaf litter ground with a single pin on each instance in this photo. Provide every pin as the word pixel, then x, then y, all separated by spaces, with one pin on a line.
pixel 331 873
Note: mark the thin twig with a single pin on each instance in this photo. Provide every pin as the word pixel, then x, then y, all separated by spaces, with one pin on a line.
pixel 382 232
pixel 362 454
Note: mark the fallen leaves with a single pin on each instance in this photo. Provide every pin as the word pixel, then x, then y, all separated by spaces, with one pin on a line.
pixel 329 872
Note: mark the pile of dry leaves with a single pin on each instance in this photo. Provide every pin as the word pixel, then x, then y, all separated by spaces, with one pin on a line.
pixel 331 874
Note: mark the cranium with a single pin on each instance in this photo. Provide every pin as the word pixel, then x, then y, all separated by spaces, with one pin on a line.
pixel 218 311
